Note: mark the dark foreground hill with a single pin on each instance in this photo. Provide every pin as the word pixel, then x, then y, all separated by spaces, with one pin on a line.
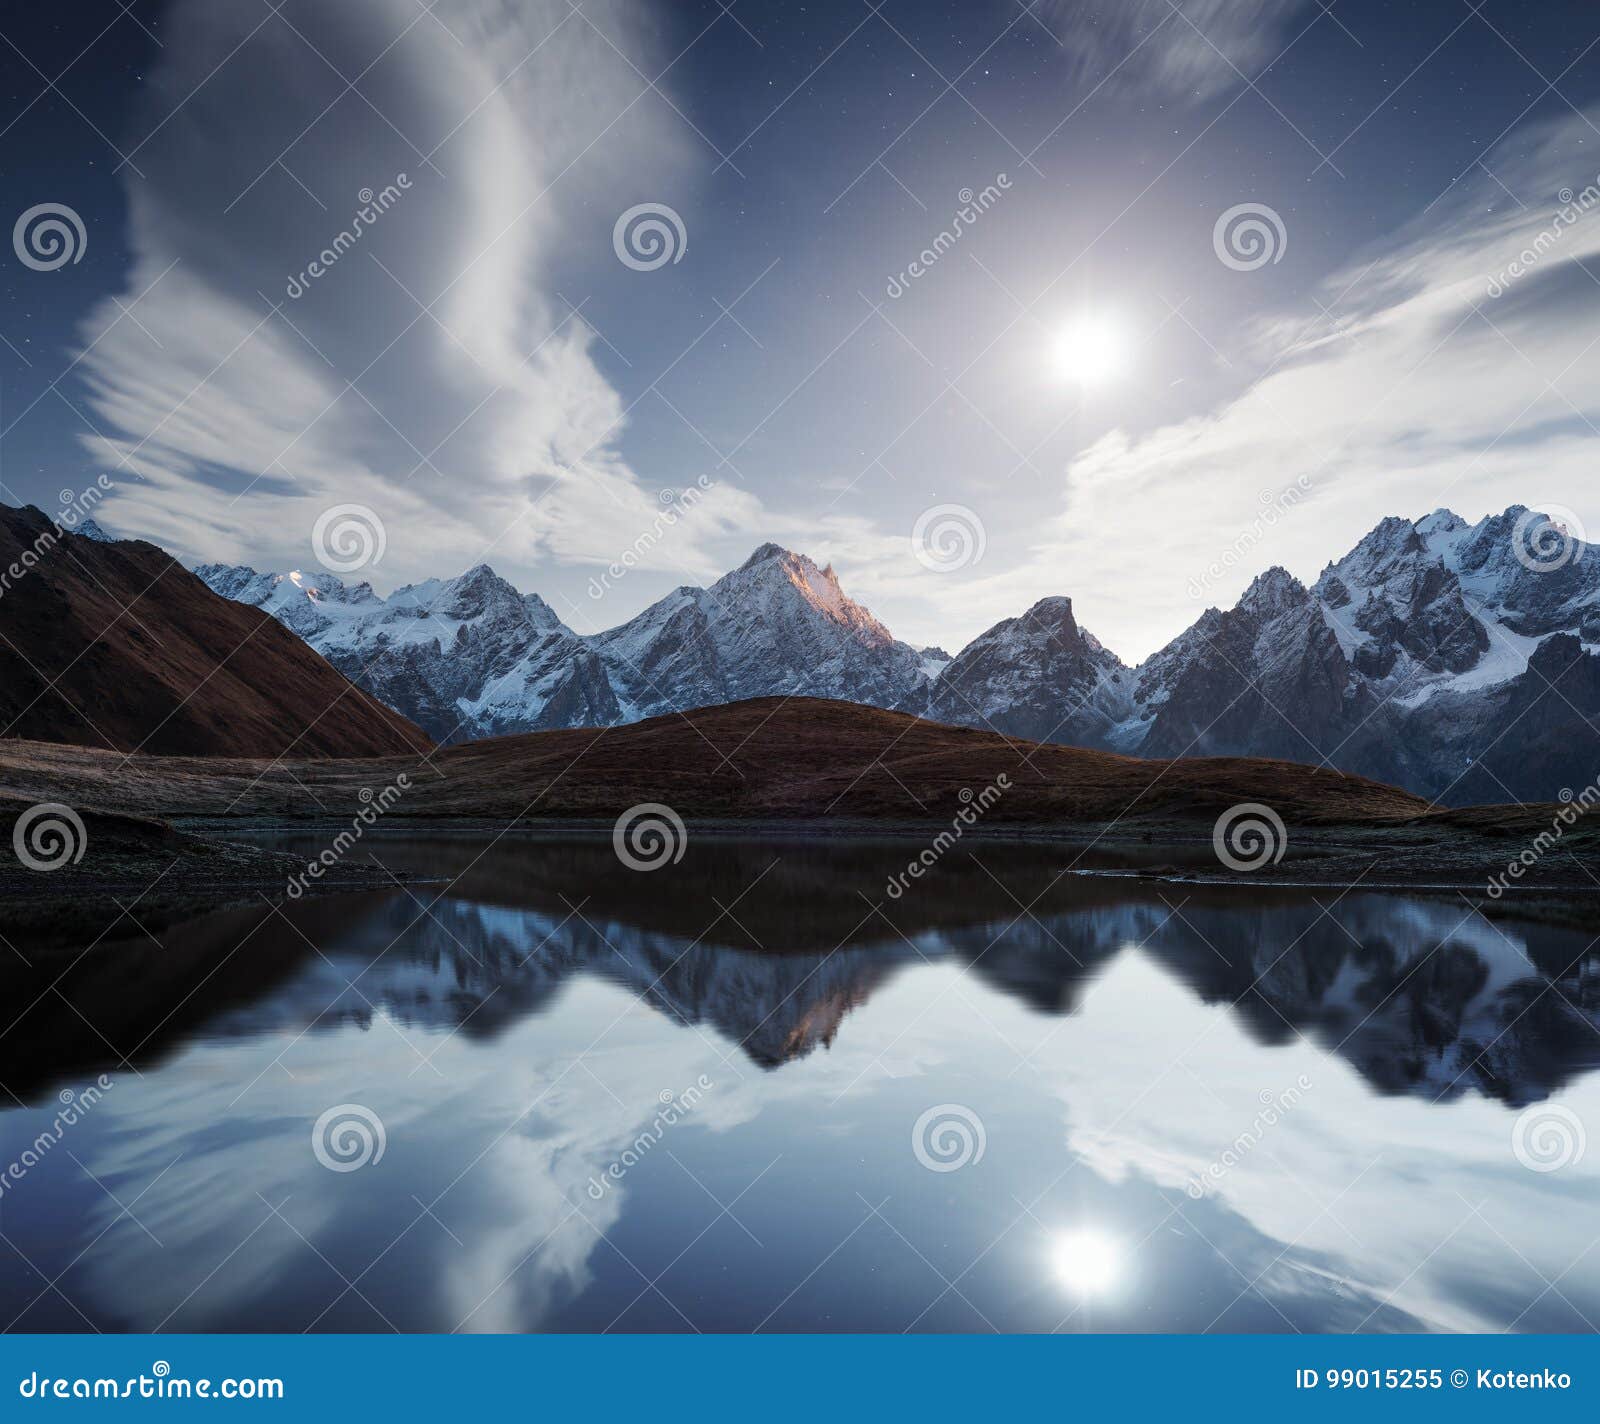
pixel 116 646
pixel 769 759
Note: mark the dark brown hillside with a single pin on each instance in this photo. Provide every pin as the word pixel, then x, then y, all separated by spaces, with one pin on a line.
pixel 777 758
pixel 772 759
pixel 117 646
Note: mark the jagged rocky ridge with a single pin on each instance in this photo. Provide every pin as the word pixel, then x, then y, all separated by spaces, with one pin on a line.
pixel 1431 655
pixel 471 657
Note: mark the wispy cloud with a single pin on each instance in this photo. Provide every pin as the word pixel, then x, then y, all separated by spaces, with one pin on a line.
pixel 431 371
pixel 1195 50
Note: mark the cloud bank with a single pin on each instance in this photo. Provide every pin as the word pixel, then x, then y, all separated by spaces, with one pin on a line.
pixel 452 165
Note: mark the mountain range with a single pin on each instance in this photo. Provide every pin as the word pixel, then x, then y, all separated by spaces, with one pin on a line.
pixel 1436 655
pixel 471 657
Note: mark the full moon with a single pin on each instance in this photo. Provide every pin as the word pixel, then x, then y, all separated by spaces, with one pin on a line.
pixel 1087 1261
pixel 1092 350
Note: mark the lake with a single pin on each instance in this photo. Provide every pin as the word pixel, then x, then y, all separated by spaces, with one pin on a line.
pixel 753 1090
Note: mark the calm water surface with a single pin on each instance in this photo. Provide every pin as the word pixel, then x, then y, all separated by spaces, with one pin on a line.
pixel 750 1092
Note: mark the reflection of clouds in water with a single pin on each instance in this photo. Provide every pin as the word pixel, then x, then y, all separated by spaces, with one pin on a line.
pixel 527 1229
pixel 909 1034
pixel 1373 1183
pixel 519 1176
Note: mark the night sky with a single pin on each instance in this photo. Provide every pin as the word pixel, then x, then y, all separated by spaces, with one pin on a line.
pixel 1101 394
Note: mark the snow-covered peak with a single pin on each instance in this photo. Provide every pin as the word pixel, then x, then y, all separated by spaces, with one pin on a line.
pixel 540 613
pixel 775 582
pixel 90 530
pixel 1441 528
pixel 477 594
pixel 1055 609
pixel 1039 675
pixel 765 554
pixel 1275 591
pixel 777 624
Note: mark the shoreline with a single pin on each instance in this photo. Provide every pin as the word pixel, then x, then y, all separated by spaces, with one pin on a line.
pixel 197 866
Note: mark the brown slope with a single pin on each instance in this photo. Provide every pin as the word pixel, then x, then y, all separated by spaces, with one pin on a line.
pixel 769 759
pixel 802 757
pixel 118 646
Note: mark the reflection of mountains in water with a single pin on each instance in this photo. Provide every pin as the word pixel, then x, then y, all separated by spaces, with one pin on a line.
pixel 772 945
